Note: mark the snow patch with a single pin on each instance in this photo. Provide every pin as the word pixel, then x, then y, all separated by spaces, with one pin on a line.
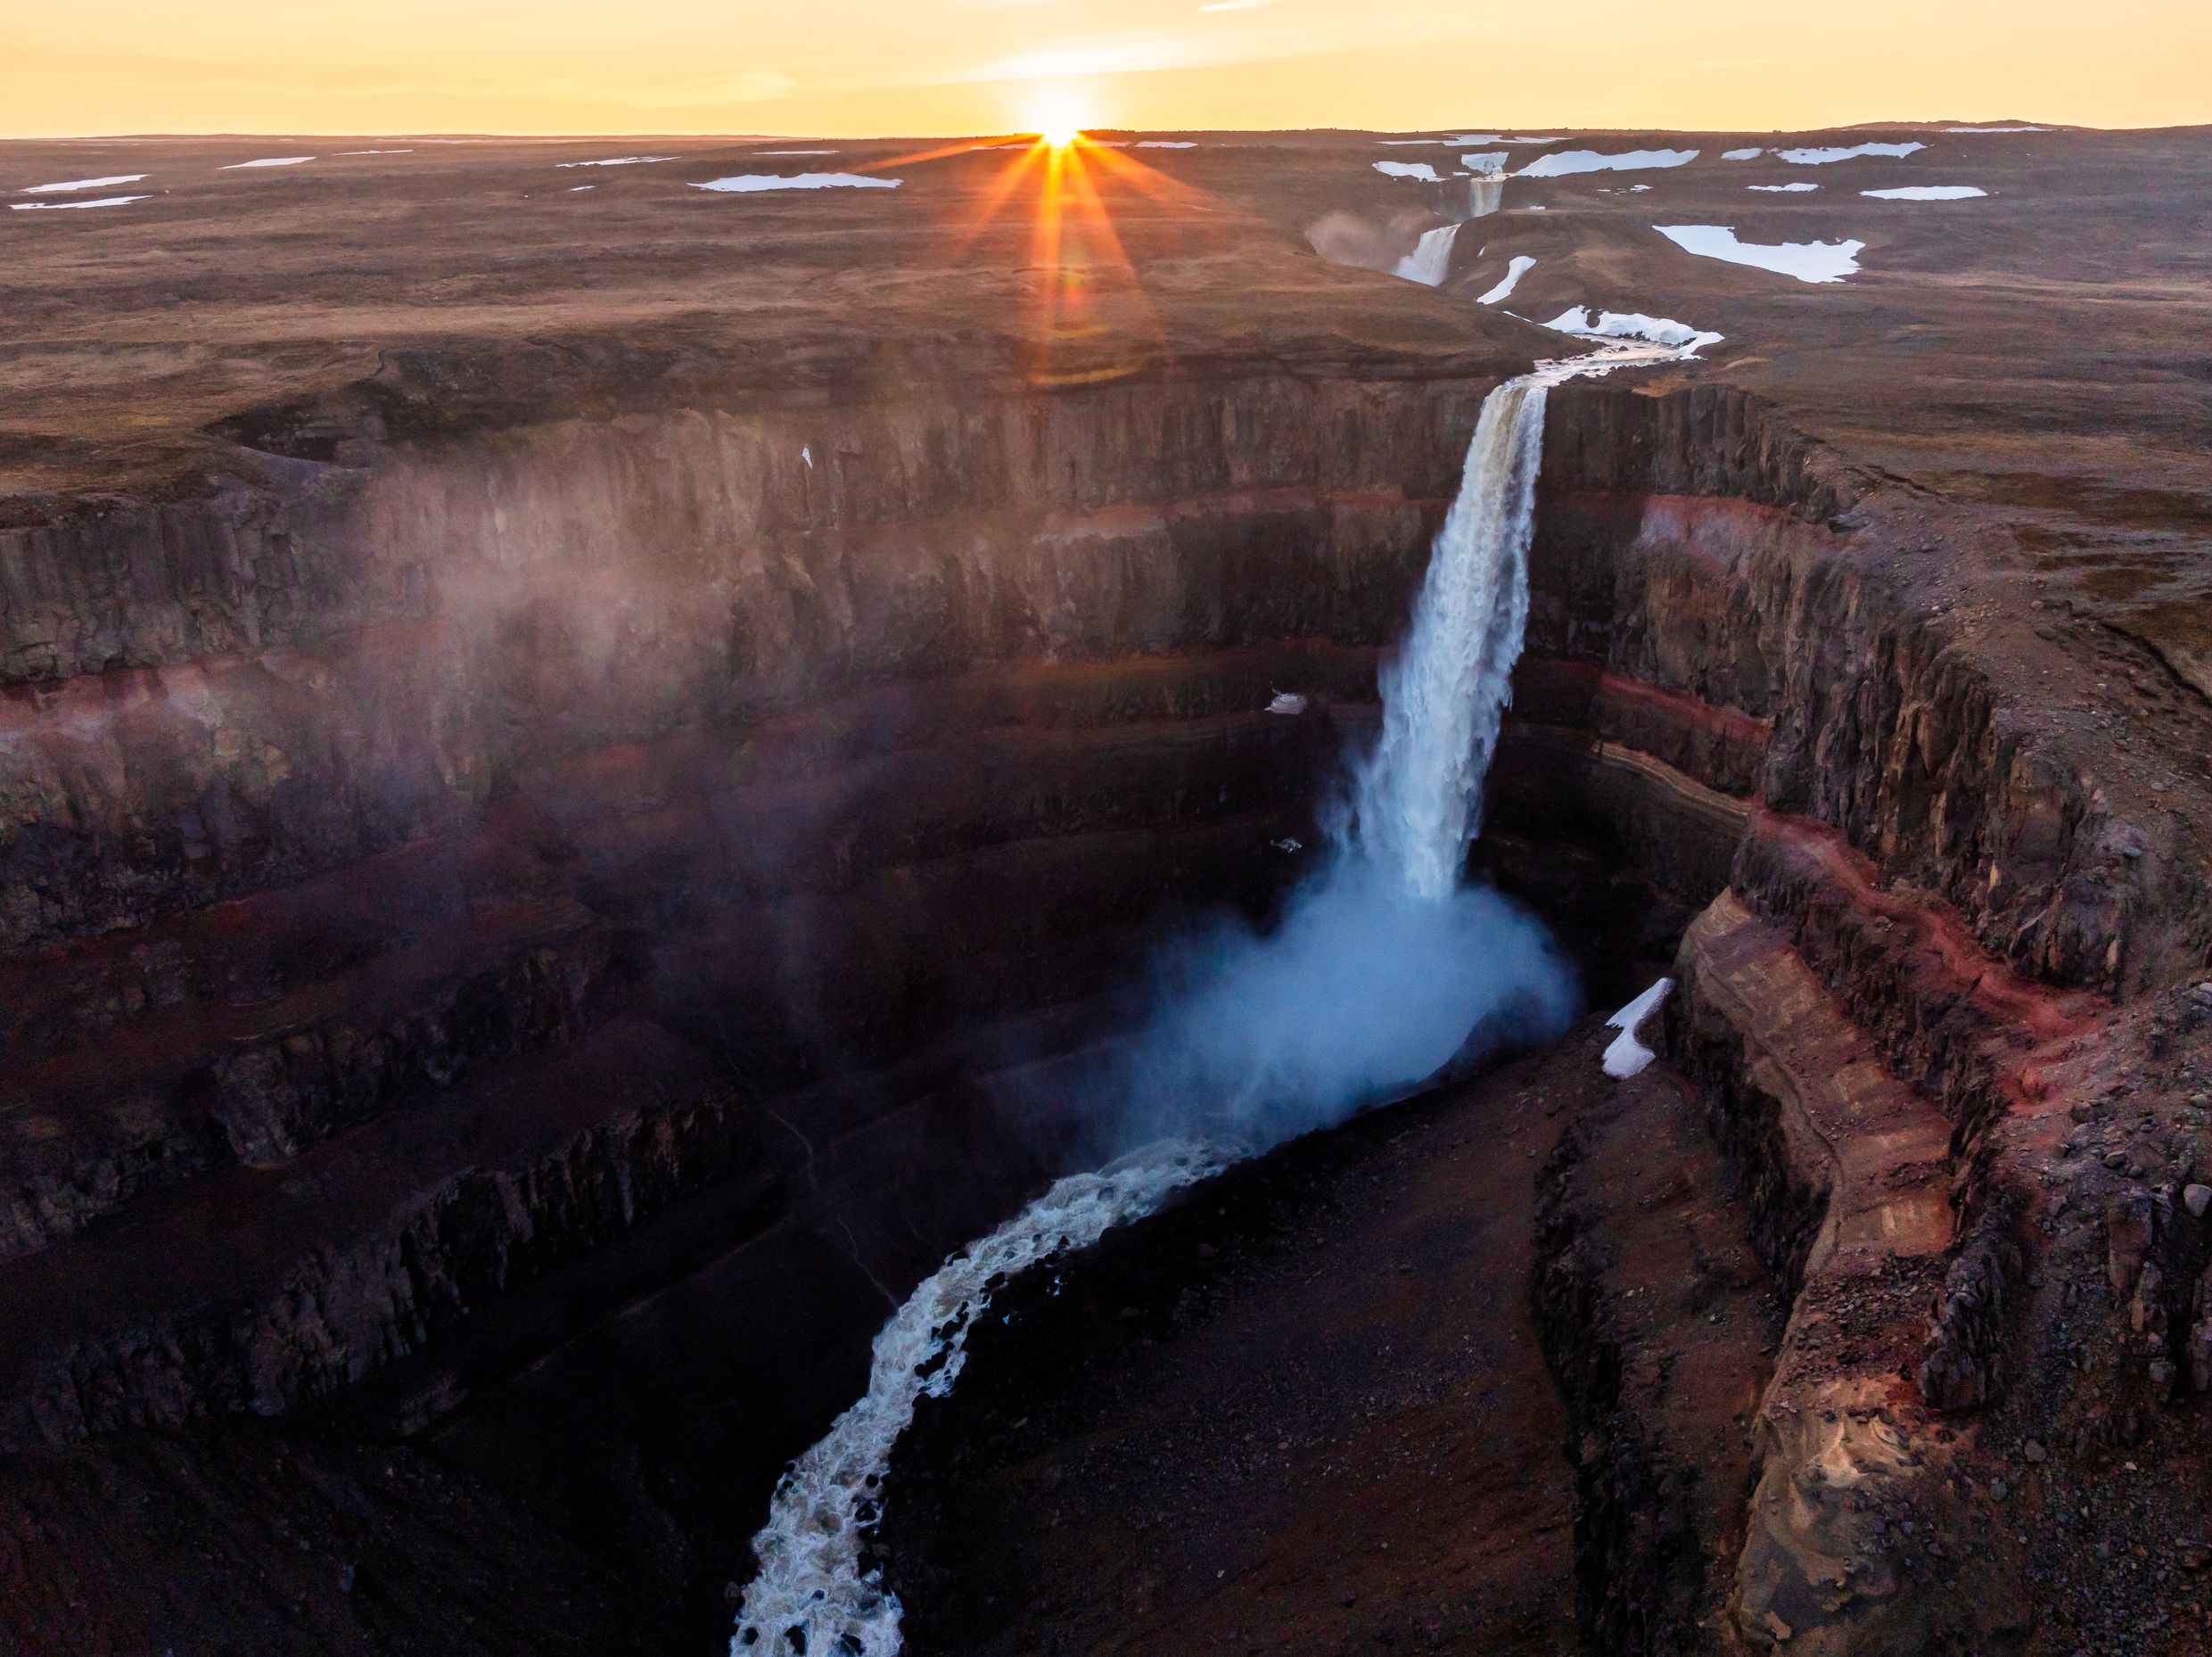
pixel 575 188
pixel 1520 266
pixel 1167 143
pixel 1808 261
pixel 1561 163
pixel 48 206
pixel 1741 155
pixel 83 183
pixel 1927 192
pixel 1798 188
pixel 619 161
pixel 1616 325
pixel 1626 1056
pixel 746 182
pixel 1421 171
pixel 1845 152
pixel 1485 161
pixel 267 160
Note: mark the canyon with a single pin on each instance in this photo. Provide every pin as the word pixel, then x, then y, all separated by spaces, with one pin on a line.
pixel 567 830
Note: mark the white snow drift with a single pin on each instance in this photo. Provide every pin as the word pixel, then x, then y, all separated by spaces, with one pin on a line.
pixel 1520 266
pixel 1927 192
pixel 747 182
pixel 1741 155
pixel 1626 1056
pixel 1798 188
pixel 267 160
pixel 48 206
pixel 1845 152
pixel 1808 261
pixel 640 161
pixel 1421 171
pixel 64 187
pixel 1561 163
pixel 1616 324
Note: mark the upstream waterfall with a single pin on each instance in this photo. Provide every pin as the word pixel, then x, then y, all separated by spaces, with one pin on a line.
pixel 1385 969
pixel 1430 261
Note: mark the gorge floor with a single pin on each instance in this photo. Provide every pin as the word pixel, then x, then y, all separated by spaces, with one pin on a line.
pixel 1310 1409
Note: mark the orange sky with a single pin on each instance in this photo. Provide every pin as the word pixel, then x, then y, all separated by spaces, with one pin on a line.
pixel 860 67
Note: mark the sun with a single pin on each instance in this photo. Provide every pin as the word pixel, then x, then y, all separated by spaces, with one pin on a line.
pixel 1057 118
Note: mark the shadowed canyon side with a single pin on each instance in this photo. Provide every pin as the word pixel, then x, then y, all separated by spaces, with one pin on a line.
pixel 564 853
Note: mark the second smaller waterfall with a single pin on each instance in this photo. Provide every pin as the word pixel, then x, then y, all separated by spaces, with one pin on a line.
pixel 1430 261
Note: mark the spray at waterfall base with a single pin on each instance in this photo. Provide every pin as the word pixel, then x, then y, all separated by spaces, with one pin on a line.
pixel 1383 971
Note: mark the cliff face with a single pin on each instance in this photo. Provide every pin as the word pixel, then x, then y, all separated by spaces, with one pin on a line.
pixel 666 865
pixel 820 741
pixel 1944 929
pixel 206 700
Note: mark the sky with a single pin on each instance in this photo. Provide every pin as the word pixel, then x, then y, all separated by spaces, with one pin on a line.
pixel 857 68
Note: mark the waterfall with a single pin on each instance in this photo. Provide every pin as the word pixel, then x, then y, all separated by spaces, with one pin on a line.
pixel 1463 199
pixel 1430 261
pixel 1419 796
pixel 1384 968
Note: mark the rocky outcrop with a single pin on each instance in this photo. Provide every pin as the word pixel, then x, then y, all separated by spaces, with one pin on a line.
pixel 1851 1204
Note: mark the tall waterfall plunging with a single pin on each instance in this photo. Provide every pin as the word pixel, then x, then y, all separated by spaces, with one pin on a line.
pixel 1384 969
pixel 1419 796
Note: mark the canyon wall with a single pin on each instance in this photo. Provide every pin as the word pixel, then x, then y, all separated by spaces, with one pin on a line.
pixel 843 753
pixel 544 932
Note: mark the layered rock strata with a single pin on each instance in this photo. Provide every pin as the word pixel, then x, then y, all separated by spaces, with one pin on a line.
pixel 493 917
